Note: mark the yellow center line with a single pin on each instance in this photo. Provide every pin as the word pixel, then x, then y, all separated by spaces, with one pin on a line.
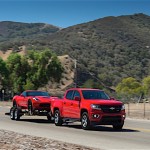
pixel 138 129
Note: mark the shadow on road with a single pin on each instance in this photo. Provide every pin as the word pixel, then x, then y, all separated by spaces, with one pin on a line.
pixel 76 126
pixel 7 114
pixel 101 128
pixel 33 120
pixel 36 120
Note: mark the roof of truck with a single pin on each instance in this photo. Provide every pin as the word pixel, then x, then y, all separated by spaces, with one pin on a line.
pixel 83 89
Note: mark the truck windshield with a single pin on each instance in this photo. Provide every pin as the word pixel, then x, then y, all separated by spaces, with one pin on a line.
pixel 37 93
pixel 95 94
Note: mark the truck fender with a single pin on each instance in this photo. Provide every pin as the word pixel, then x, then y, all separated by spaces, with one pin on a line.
pixel 56 105
pixel 83 110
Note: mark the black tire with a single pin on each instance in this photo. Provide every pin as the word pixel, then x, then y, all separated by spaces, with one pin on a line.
pixel 49 117
pixel 30 108
pixel 118 126
pixel 17 114
pixel 57 118
pixel 12 109
pixel 14 104
pixel 85 122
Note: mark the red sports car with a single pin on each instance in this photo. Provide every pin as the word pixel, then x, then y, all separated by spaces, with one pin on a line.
pixel 33 101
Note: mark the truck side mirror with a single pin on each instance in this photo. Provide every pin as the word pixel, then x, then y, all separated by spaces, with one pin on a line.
pixel 112 98
pixel 77 98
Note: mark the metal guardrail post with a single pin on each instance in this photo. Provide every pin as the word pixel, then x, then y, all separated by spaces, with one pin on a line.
pixel 128 109
pixel 3 92
pixel 144 110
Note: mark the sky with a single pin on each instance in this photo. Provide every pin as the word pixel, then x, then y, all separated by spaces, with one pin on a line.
pixel 65 13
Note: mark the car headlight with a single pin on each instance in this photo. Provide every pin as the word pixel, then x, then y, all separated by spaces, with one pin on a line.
pixel 95 106
pixel 123 107
pixel 36 99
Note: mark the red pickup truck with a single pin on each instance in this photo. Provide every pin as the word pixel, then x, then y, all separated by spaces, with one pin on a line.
pixel 32 101
pixel 90 106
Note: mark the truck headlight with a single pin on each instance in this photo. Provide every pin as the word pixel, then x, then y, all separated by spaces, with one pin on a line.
pixel 95 106
pixel 123 107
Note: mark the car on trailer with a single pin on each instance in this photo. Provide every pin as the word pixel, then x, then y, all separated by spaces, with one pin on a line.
pixel 31 102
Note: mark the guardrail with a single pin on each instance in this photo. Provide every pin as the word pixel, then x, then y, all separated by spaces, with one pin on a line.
pixel 138 110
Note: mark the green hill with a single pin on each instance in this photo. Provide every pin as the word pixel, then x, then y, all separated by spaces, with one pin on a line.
pixel 17 34
pixel 112 47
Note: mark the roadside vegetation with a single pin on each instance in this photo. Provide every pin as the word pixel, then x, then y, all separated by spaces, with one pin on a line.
pixel 31 71
pixel 129 89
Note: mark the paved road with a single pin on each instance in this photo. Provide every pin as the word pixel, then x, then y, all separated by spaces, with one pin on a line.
pixel 134 136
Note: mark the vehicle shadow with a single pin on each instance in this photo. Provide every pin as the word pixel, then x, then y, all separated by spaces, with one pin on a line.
pixel 7 114
pixel 33 120
pixel 77 126
pixel 36 120
pixel 101 128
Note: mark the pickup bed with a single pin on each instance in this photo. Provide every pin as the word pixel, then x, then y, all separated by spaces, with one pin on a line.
pixel 90 107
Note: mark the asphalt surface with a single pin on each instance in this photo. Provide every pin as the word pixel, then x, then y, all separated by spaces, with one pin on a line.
pixel 134 136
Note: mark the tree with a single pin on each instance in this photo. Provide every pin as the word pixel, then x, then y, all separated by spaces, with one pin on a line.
pixel 3 68
pixel 29 85
pixel 33 70
pixel 3 73
pixel 54 68
pixel 45 65
pixel 18 67
pixel 146 85
pixel 129 88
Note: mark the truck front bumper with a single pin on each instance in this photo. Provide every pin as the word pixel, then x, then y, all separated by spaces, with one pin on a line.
pixel 107 118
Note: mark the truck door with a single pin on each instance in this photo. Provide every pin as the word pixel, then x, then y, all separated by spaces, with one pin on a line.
pixel 75 105
pixel 66 111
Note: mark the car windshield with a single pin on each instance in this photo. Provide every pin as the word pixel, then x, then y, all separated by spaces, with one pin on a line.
pixel 37 93
pixel 95 94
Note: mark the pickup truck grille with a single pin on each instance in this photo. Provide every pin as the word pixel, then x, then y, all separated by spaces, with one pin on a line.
pixel 111 109
pixel 111 119
pixel 45 105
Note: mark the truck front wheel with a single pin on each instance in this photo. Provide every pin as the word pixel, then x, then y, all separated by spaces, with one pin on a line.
pixel 57 119
pixel 85 122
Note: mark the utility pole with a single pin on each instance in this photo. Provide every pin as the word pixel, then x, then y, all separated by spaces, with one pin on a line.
pixel 75 76
pixel 3 92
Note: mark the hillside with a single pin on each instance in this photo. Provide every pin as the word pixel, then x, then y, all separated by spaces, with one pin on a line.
pixel 13 34
pixel 53 87
pixel 112 47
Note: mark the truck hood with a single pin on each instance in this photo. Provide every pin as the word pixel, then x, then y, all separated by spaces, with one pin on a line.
pixel 104 102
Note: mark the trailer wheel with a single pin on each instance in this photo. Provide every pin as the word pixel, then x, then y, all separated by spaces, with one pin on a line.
pixel 12 117
pixel 17 114
pixel 30 108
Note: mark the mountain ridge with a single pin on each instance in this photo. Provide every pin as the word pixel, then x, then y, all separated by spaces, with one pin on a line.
pixel 112 48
